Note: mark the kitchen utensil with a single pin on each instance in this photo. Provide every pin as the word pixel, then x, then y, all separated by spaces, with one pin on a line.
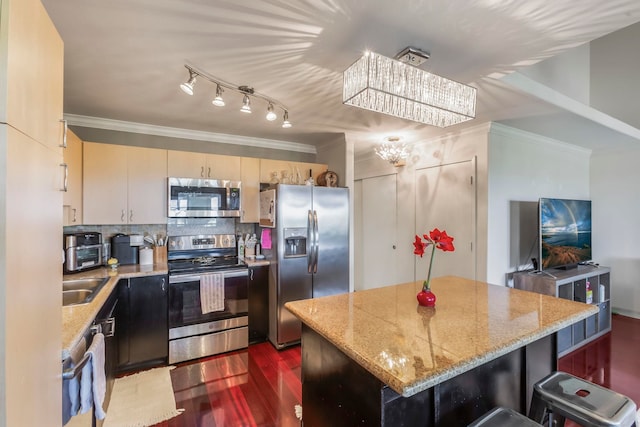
pixel 148 239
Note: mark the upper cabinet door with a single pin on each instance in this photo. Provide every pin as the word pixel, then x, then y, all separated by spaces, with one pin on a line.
pixel 250 192
pixel 34 72
pixel 105 184
pixel 186 164
pixel 147 189
pixel 222 167
pixel 72 197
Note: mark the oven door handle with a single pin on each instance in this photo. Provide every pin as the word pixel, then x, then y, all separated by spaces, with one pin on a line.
pixel 196 277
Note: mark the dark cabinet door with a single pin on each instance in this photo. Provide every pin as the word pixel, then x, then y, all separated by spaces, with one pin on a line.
pixel 143 332
pixel 258 304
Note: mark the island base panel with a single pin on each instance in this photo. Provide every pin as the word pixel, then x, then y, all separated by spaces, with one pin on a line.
pixel 337 391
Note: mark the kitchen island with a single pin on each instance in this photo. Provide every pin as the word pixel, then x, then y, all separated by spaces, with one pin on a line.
pixel 376 358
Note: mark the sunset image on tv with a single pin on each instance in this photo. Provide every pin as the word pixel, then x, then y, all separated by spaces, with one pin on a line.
pixel 565 231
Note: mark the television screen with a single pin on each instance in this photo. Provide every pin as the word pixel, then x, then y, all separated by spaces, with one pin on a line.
pixel 565 232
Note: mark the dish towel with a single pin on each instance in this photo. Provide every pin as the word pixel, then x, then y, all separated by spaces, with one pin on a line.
pixel 265 238
pixel 93 383
pixel 211 292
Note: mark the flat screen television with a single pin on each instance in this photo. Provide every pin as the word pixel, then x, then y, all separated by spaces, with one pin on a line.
pixel 565 232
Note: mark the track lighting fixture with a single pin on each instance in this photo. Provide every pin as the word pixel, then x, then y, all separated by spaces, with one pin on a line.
pixel 247 94
pixel 271 116
pixel 218 101
pixel 187 86
pixel 246 104
pixel 285 120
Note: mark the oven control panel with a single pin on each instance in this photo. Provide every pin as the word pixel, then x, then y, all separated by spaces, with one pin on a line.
pixel 202 241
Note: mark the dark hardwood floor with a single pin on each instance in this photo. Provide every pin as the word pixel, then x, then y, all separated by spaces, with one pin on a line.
pixel 260 386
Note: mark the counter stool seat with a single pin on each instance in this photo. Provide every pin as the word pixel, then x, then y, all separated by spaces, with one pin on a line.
pixel 562 395
pixel 503 417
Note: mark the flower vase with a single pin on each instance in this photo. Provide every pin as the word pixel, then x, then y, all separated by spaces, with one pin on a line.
pixel 426 298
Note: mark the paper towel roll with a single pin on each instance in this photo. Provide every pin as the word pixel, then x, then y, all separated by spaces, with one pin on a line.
pixel 146 256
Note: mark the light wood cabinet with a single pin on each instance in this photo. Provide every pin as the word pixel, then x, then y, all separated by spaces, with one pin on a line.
pixel 250 192
pixel 33 65
pixel 186 164
pixel 124 185
pixel 72 196
pixel 269 167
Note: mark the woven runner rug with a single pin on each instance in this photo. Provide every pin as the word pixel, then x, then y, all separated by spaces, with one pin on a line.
pixel 142 399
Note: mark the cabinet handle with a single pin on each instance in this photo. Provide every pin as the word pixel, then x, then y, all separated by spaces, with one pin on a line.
pixel 131 215
pixel 75 218
pixel 251 272
pixel 64 133
pixel 109 327
pixel 209 172
pixel 65 182
pixel 201 171
pixel 122 215
pixel 163 284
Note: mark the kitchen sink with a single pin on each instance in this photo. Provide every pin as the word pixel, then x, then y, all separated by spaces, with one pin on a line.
pixel 81 291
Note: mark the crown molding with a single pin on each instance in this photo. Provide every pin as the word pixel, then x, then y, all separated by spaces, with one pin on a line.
pixel 171 132
pixel 504 130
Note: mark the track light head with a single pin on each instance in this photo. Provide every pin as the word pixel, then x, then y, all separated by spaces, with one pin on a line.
pixel 285 120
pixel 271 115
pixel 246 104
pixel 187 87
pixel 218 101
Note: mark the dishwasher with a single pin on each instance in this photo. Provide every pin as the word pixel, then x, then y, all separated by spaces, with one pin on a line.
pixel 72 366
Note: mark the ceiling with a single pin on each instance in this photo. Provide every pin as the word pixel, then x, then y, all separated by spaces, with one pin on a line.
pixel 124 59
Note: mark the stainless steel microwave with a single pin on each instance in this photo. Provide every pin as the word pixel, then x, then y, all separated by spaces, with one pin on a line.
pixel 202 198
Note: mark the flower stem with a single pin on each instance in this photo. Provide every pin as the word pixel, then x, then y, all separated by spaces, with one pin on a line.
pixel 426 285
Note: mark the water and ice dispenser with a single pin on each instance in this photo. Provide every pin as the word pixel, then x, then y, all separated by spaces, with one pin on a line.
pixel 295 242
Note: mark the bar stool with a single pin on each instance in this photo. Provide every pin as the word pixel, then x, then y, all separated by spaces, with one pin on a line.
pixel 503 417
pixel 561 395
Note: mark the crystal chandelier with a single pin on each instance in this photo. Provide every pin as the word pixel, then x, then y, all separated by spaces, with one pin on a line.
pixel 396 88
pixel 393 150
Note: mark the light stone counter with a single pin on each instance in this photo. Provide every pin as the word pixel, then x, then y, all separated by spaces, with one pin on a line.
pixel 252 262
pixel 76 319
pixel 412 348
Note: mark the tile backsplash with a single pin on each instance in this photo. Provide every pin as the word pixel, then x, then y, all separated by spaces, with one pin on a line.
pixel 174 227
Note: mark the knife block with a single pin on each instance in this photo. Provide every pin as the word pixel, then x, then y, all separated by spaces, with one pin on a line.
pixel 159 254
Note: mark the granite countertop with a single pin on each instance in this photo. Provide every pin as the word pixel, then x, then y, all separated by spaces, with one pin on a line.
pixel 252 262
pixel 412 348
pixel 76 319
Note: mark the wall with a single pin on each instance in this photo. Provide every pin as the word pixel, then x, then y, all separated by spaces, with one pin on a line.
pixel 568 73
pixel 453 147
pixel 522 168
pixel 614 74
pixel 184 144
pixel 614 189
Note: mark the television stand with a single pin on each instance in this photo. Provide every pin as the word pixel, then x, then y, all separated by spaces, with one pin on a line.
pixel 572 284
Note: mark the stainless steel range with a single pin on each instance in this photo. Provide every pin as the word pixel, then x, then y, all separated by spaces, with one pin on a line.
pixel 206 320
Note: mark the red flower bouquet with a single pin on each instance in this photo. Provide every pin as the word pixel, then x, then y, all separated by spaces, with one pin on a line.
pixel 436 239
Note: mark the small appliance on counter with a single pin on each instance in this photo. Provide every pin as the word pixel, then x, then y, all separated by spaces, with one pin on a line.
pixel 82 251
pixel 122 249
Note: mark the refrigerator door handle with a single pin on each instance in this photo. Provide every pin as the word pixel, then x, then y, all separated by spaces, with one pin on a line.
pixel 316 238
pixel 310 240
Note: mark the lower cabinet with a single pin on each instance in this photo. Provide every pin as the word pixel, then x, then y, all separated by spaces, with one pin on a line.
pixel 258 304
pixel 142 321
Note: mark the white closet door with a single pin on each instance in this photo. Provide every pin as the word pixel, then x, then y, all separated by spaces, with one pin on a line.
pixel 446 199
pixel 378 233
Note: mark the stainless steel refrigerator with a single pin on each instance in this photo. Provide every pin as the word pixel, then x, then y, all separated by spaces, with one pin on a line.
pixel 309 255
